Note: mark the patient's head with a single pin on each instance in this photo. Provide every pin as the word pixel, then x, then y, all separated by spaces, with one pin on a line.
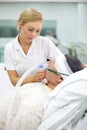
pixel 68 64
pixel 74 63
pixel 62 67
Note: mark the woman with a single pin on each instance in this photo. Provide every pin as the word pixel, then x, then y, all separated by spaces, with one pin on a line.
pixel 28 48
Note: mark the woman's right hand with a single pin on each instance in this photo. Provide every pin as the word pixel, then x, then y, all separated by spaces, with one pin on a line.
pixel 38 76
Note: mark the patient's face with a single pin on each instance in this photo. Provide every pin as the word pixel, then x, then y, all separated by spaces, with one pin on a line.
pixel 51 76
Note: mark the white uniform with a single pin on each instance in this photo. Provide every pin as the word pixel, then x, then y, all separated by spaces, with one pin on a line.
pixel 40 49
pixel 66 104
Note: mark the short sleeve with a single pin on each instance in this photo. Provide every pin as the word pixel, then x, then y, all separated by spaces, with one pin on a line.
pixel 8 57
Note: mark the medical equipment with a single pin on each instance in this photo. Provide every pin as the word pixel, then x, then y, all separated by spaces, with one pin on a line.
pixel 55 72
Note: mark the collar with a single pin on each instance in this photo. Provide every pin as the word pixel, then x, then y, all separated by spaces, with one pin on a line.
pixel 16 43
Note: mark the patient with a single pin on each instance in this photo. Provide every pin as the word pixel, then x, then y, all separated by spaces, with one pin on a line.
pixel 27 106
pixel 65 107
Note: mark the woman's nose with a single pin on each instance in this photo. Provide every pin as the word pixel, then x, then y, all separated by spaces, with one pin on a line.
pixel 34 33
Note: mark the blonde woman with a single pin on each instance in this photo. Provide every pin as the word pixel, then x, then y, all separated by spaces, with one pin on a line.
pixel 29 48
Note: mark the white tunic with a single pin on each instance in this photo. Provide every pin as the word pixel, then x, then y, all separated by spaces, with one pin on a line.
pixel 66 104
pixel 40 50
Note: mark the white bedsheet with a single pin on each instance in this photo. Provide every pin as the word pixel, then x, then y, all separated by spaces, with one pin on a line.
pixel 5 83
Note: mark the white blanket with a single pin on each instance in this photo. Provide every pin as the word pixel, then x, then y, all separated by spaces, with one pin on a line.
pixel 66 104
pixel 27 107
pixel 21 108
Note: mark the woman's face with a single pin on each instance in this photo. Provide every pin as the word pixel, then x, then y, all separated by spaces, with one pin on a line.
pixel 30 30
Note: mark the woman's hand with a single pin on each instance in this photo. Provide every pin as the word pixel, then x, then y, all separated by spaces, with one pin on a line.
pixel 38 76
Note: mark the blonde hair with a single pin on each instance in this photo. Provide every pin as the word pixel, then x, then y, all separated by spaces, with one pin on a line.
pixel 29 15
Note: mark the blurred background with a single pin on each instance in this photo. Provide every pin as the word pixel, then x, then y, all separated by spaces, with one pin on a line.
pixel 65 21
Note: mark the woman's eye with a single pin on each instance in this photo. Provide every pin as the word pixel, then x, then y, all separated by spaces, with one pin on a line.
pixel 38 31
pixel 30 30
